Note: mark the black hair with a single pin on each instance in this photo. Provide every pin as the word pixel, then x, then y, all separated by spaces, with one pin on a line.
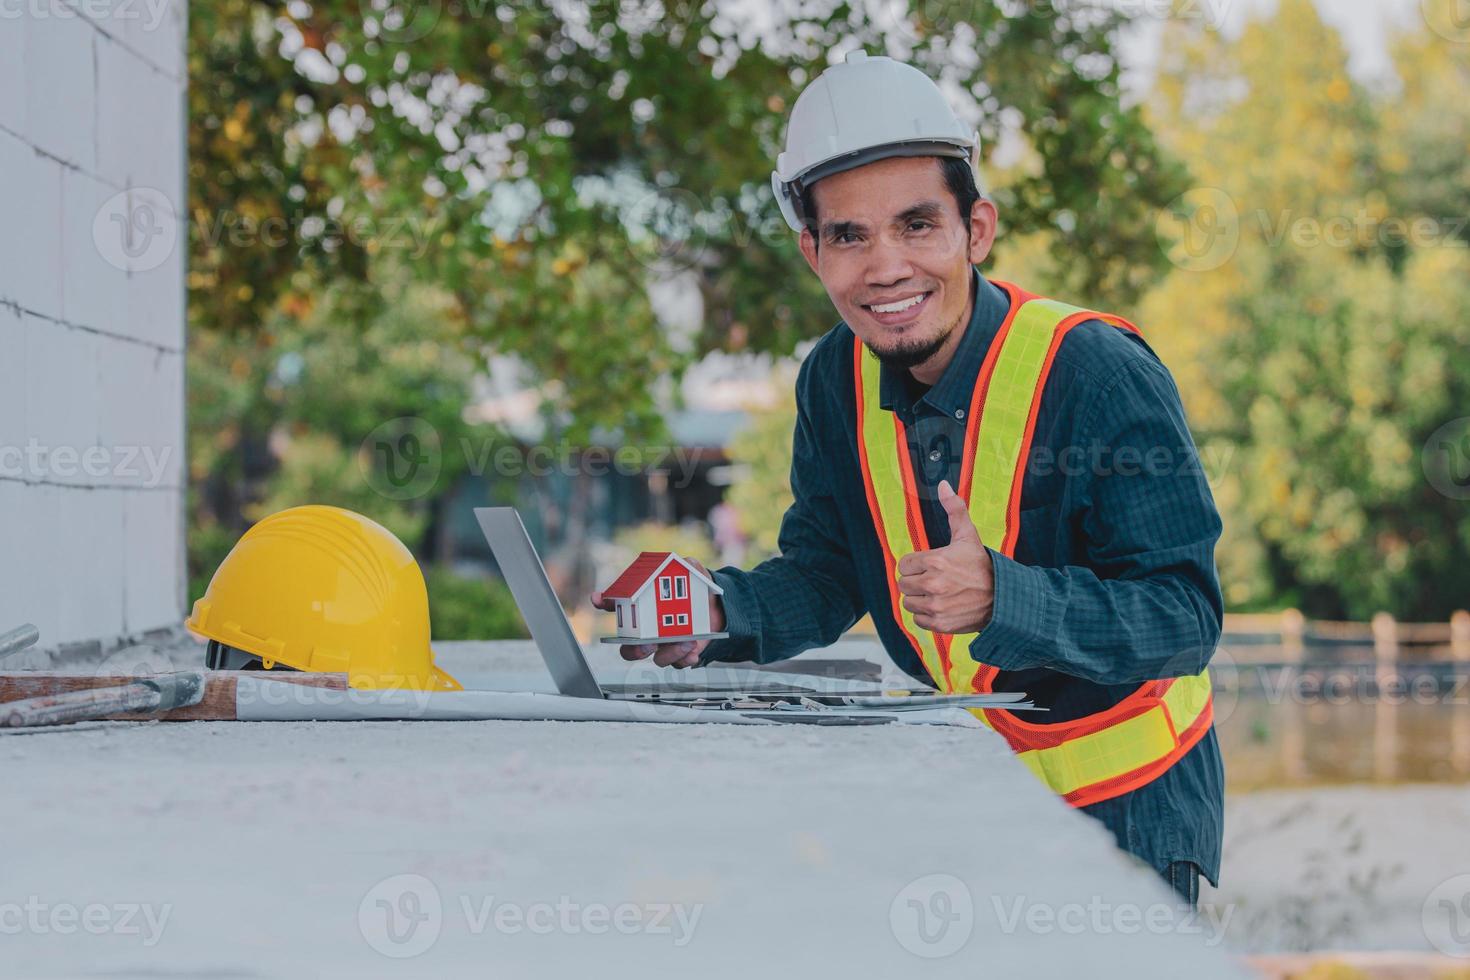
pixel 959 177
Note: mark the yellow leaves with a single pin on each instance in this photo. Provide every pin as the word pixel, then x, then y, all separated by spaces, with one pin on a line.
pixel 776 104
pixel 298 306
pixel 1339 91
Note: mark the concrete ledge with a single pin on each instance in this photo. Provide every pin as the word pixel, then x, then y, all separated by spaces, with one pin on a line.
pixel 513 848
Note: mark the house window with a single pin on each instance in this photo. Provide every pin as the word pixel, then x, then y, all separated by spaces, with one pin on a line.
pixel 634 611
pixel 668 620
pixel 663 587
pixel 620 614
pixel 683 619
pixel 681 588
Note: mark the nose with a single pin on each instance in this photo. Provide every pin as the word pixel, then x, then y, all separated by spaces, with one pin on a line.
pixel 888 266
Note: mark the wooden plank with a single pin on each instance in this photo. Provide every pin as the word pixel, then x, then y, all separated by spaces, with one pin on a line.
pixel 219 691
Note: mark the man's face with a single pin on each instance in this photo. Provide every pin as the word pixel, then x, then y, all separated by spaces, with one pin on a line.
pixel 895 255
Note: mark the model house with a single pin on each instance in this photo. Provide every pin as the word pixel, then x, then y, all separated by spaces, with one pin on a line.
pixel 662 596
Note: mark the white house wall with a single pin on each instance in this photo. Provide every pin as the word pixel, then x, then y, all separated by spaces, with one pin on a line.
pixel 92 149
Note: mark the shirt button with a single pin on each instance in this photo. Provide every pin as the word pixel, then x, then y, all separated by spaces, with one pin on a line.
pixel 959 413
pixel 935 456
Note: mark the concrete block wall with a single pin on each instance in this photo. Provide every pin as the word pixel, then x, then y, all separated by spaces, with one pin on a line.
pixel 92 254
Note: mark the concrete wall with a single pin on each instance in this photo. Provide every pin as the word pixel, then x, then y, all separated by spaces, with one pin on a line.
pixel 92 252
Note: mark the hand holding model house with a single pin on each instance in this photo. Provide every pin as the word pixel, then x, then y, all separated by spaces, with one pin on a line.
pixel 667 606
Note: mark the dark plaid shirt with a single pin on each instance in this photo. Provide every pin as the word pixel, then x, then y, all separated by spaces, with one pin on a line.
pixel 1113 581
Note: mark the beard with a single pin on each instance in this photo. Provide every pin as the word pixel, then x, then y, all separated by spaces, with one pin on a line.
pixel 912 353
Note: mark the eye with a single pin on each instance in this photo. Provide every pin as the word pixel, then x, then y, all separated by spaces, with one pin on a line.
pixel 919 224
pixel 845 238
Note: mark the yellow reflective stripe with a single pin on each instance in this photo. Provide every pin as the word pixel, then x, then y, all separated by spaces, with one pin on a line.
pixel 1007 406
pixel 1123 746
pixel 1116 750
pixel 998 461
pixel 1187 698
pixel 1082 761
pixel 880 440
pixel 962 667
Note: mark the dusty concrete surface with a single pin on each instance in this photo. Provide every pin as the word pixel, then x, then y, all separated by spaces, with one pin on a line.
pixel 1349 868
pixel 555 849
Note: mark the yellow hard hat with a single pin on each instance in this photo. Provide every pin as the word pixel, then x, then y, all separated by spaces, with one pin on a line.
pixel 326 590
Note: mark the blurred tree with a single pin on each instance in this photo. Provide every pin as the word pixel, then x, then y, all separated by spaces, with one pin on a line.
pixel 471 608
pixel 385 193
pixel 544 164
pixel 1315 353
pixel 762 453
pixel 1426 130
pixel 689 539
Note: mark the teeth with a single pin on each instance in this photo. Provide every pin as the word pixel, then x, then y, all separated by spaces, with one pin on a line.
pixel 901 305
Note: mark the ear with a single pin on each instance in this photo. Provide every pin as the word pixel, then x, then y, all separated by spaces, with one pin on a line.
pixel 808 246
pixel 983 221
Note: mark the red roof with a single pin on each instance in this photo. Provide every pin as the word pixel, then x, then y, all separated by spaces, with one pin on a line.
pixel 632 579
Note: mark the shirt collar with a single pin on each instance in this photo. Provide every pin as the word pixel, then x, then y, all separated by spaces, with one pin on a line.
pixel 951 393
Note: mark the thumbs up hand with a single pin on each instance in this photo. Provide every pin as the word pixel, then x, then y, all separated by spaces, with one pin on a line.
pixel 950 589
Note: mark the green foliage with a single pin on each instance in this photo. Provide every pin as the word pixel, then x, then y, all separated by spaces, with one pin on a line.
pixel 1319 352
pixel 689 540
pixel 541 170
pixel 762 452
pixel 462 608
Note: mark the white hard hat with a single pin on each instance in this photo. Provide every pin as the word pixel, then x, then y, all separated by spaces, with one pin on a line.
pixel 865 109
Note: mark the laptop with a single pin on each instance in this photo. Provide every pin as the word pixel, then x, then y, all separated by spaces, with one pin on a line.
pixel 526 575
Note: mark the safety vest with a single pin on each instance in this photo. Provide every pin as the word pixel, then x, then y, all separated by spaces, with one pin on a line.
pixel 1093 758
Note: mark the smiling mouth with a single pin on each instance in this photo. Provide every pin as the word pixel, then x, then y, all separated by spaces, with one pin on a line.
pixel 899 311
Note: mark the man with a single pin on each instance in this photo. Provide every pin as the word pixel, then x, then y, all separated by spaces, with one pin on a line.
pixel 1005 483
